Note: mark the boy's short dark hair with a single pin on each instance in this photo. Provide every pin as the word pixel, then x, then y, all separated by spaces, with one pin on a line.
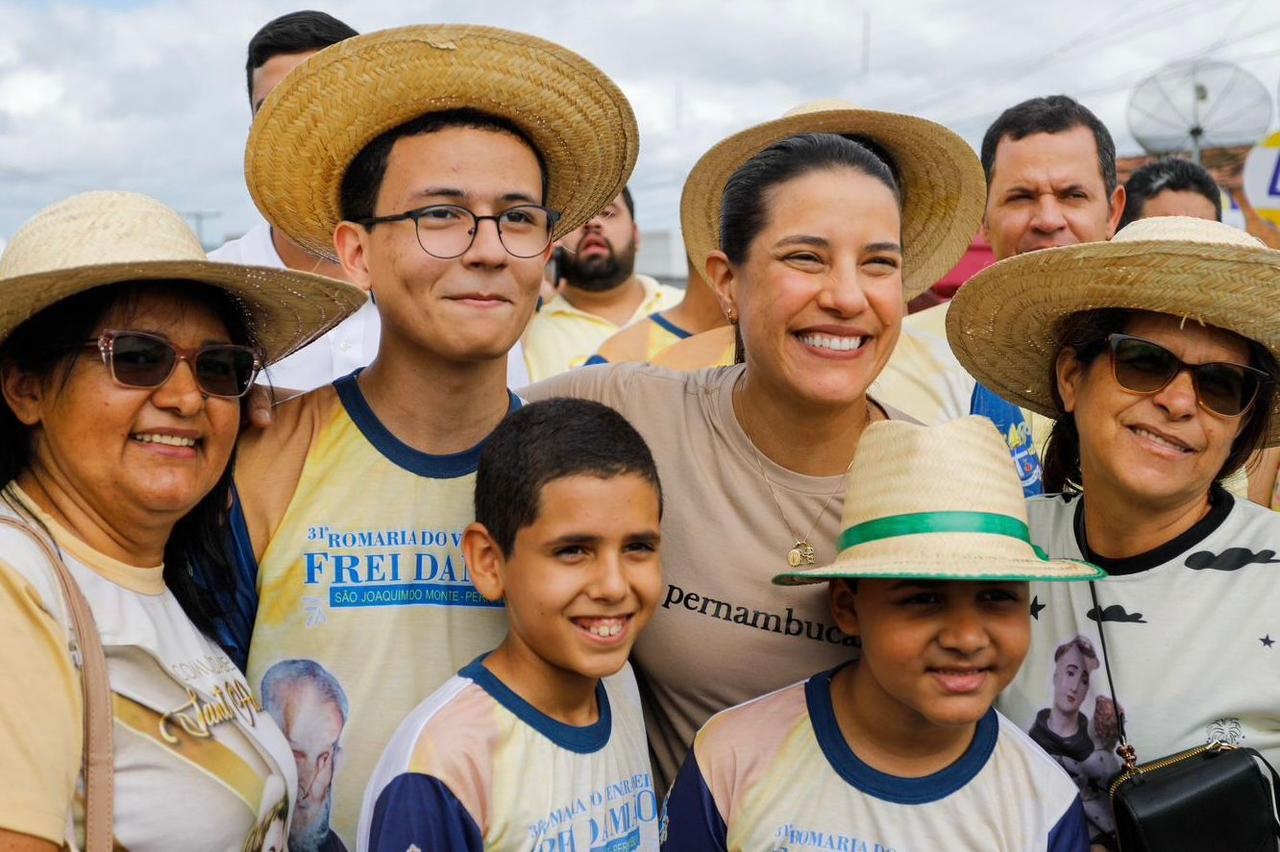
pixel 551 440
pixel 1052 114
pixel 1174 174
pixel 629 202
pixel 296 32
pixel 362 181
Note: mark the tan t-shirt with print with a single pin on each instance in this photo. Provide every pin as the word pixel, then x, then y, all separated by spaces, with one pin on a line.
pixel 723 633
pixel 198 765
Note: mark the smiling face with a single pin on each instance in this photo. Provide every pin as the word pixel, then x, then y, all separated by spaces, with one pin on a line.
pixel 469 308
pixel 133 455
pixel 1160 450
pixel 935 654
pixel 820 291
pixel 1046 190
pixel 583 579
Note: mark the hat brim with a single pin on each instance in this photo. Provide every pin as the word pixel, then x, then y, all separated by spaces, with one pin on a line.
pixel 329 108
pixel 1003 324
pixel 973 568
pixel 286 310
pixel 943 185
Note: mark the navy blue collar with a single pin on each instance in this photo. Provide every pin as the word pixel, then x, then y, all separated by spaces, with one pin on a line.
pixel 663 322
pixel 584 740
pixel 873 782
pixel 397 451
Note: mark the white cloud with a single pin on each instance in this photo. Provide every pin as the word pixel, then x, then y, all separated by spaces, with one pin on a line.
pixel 151 96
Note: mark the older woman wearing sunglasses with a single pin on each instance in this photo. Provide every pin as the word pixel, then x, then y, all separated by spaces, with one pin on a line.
pixel 1156 353
pixel 124 355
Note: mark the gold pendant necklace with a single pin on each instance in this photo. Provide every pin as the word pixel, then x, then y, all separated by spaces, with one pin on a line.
pixel 801 554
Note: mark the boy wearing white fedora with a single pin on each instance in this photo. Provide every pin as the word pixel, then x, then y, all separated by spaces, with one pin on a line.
pixel 437 164
pixel 900 749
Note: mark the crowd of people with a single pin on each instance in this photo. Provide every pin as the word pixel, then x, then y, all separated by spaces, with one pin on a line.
pixel 416 518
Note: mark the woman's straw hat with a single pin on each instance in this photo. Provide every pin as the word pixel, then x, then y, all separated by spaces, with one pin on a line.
pixel 99 238
pixel 1003 325
pixel 937 503
pixel 942 183
pixel 329 108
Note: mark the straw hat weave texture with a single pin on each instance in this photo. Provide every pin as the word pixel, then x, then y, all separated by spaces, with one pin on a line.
pixel 949 497
pixel 100 238
pixel 1004 324
pixel 942 183
pixel 333 105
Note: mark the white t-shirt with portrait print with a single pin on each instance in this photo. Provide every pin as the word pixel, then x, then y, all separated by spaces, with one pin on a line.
pixel 198 764
pixel 1193 639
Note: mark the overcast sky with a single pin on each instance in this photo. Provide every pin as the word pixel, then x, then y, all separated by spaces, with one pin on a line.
pixel 150 96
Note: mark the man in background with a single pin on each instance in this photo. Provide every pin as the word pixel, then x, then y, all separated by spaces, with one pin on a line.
pixel 601 292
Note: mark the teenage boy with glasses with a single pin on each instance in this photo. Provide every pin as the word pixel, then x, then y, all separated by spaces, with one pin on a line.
pixel 353 503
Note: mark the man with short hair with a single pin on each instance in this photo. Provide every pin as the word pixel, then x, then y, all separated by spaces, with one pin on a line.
pixel 601 292
pixel 1050 166
pixel 351 506
pixel 1051 177
pixel 1172 187
pixel 281 45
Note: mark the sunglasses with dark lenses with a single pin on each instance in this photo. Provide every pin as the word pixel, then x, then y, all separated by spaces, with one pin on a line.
pixel 137 359
pixel 1221 387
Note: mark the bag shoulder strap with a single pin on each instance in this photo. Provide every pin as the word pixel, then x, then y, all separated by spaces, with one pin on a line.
pixel 86 651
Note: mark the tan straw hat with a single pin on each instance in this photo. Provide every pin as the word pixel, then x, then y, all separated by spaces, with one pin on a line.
pixel 937 503
pixel 1003 325
pixel 943 187
pixel 99 238
pixel 333 105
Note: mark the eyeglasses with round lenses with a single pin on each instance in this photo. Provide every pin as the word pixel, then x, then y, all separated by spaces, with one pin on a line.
pixel 446 231
pixel 137 359
pixel 1222 388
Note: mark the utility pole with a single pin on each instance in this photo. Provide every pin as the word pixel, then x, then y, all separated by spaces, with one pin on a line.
pixel 198 217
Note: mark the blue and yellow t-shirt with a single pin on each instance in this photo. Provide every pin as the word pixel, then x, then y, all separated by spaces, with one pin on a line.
pixel 777 773
pixel 365 602
pixel 476 767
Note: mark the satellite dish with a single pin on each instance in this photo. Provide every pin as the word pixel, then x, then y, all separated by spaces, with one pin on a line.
pixel 1196 104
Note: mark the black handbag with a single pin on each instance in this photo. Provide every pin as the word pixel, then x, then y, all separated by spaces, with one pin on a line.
pixel 1213 798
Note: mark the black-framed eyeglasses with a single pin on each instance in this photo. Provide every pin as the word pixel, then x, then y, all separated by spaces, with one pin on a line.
pixel 1222 388
pixel 138 359
pixel 446 231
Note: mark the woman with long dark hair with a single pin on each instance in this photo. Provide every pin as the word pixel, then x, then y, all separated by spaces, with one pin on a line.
pixel 808 228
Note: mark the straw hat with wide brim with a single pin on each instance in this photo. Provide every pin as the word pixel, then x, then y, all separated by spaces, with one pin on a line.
pixel 330 107
pixel 942 183
pixel 100 238
pixel 1003 324
pixel 936 503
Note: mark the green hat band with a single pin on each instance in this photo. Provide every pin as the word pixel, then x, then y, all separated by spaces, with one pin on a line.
pixel 895 526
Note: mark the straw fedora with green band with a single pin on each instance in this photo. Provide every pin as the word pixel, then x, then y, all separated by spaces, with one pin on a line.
pixel 330 107
pixel 936 503
pixel 100 238
pixel 943 187
pixel 1003 325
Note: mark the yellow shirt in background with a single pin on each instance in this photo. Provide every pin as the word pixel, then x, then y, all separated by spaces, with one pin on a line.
pixel 562 337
